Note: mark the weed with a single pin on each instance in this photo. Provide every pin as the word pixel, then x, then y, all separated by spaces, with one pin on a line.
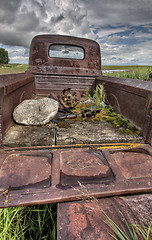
pixel 98 97
pixel 32 222
pixel 127 231
pixel 135 231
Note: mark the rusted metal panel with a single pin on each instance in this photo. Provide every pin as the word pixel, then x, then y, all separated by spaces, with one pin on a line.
pixel 1 135
pixel 87 220
pixel 46 84
pixel 1 116
pixel 11 82
pixel 147 131
pixel 84 167
pixel 30 169
pixel 54 74
pixel 133 99
pixel 14 88
pixel 74 174
pixel 40 62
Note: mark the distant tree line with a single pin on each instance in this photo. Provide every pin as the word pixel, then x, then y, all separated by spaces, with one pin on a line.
pixel 4 59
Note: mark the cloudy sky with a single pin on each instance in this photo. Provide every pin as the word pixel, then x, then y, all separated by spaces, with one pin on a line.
pixel 123 28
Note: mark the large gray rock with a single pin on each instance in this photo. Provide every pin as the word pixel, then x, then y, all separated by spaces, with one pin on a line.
pixel 35 112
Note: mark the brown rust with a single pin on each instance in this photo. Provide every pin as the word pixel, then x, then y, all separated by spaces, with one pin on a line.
pixel 133 99
pixel 133 160
pixel 67 186
pixel 84 166
pixel 44 176
pixel 14 88
pixel 40 62
pixel 68 99
pixel 87 220
pixel 26 169
pixel 54 74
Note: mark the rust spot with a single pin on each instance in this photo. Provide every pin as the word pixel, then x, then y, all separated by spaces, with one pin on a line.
pixel 134 164
pixel 83 164
pixel 78 221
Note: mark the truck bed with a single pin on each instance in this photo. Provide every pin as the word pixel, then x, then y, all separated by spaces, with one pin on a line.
pixel 72 133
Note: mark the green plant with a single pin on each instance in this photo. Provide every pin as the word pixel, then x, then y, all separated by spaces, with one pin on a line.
pixel 135 231
pixel 127 231
pixel 29 222
pixel 98 97
pixel 144 232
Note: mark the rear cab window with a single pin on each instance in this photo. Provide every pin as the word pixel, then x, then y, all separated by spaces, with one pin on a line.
pixel 66 51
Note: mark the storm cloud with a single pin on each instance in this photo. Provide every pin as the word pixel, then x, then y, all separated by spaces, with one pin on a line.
pixel 123 28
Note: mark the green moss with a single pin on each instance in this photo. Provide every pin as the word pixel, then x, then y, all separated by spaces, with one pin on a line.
pixel 64 124
pixel 106 114
pixel 116 120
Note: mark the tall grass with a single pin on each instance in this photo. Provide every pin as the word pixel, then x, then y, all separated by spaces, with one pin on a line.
pixel 98 97
pixel 135 231
pixel 28 222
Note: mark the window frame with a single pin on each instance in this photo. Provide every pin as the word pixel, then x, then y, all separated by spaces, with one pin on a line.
pixel 67 58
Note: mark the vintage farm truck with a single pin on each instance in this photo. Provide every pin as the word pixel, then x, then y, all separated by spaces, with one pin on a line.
pixel 46 164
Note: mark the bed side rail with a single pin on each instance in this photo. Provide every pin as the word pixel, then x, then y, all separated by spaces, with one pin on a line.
pixel 14 88
pixel 133 99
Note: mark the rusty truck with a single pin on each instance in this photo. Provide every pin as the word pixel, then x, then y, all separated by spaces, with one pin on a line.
pixel 113 173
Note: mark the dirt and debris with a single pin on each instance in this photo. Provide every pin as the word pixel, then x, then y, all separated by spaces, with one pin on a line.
pixel 77 122
pixel 67 132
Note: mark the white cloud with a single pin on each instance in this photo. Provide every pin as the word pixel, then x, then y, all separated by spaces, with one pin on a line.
pixel 118 25
pixel 114 12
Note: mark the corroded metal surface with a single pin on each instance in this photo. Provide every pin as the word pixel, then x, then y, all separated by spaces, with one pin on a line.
pixel 20 170
pixel 46 174
pixel 86 219
pixel 133 99
pixel 54 84
pixel 67 99
pixel 104 174
pixel 84 167
pixel 54 74
pixel 131 161
pixel 40 62
pixel 14 88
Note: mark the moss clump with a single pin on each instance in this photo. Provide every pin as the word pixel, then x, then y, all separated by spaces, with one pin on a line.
pixel 117 120
pixel 106 114
pixel 63 124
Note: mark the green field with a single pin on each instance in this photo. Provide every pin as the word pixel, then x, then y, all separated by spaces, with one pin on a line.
pixel 12 68
pixel 135 72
